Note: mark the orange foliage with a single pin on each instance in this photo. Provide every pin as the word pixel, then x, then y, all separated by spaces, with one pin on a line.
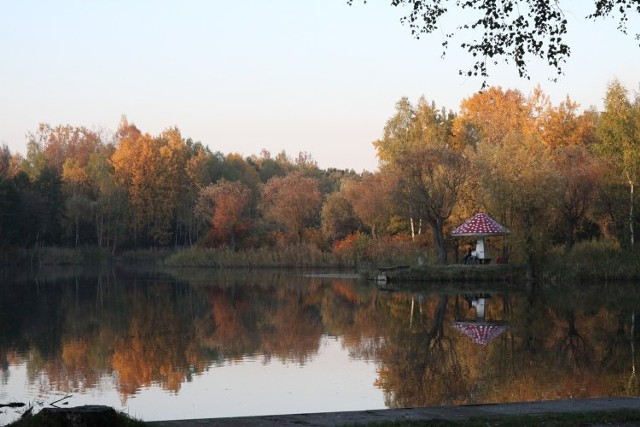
pixel 488 116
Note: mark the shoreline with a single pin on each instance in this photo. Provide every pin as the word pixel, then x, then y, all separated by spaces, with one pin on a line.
pixel 441 413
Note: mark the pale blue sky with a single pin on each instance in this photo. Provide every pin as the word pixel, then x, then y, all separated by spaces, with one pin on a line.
pixel 295 75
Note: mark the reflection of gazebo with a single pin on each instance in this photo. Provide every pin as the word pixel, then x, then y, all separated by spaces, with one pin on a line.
pixel 480 331
pixel 480 226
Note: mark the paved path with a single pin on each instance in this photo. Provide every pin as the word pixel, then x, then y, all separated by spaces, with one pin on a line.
pixel 433 413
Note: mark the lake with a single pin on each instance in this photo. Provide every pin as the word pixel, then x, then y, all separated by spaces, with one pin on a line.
pixel 187 344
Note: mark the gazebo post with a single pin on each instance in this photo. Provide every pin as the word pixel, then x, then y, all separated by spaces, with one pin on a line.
pixel 480 249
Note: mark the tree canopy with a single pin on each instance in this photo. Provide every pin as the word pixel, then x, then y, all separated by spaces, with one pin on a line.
pixel 552 175
pixel 510 30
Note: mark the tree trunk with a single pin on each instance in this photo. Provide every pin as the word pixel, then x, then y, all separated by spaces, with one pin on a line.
pixel 77 232
pixel 569 240
pixel 529 249
pixel 438 238
pixel 413 233
pixel 631 233
pixel 115 236
pixel 99 228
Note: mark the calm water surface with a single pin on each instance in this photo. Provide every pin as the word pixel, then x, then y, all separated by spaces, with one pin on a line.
pixel 198 344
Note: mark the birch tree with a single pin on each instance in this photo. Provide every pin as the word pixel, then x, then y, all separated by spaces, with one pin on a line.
pixel 619 140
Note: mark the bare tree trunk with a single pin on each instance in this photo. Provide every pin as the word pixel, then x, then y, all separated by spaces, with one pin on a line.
pixel 413 233
pixel 115 236
pixel 99 228
pixel 631 213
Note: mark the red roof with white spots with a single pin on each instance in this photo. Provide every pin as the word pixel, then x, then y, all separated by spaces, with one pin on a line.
pixel 480 333
pixel 480 224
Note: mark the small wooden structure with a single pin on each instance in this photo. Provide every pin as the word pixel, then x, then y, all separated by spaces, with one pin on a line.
pixel 480 226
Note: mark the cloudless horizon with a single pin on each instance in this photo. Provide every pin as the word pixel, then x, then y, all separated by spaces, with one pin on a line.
pixel 315 76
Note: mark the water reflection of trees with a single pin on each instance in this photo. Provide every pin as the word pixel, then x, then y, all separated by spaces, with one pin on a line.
pixel 267 321
pixel 151 329
pixel 419 363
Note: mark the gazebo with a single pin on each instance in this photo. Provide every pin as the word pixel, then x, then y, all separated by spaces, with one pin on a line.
pixel 480 226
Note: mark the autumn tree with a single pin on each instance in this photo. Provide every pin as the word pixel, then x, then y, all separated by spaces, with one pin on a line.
pixel 619 141
pixel 487 116
pixel 418 149
pixel 236 168
pixel 292 202
pixel 563 125
pixel 153 170
pixel 65 150
pixel 269 166
pixel 370 197
pixel 521 184
pixel 5 162
pixel 59 143
pixel 579 172
pixel 338 217
pixel 569 136
pixel 514 31
pixel 9 200
pixel 77 187
pixel 111 205
pixel 225 207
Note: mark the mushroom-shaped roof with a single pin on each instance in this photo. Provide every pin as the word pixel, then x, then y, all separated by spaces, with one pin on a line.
pixel 480 332
pixel 480 224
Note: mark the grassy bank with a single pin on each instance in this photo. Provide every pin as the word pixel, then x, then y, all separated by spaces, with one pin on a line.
pixel 507 273
pixel 623 417
pixel 303 255
pixel 588 262
pixel 626 417
pixel 291 256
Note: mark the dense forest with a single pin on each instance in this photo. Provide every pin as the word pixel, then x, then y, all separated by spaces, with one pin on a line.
pixel 553 174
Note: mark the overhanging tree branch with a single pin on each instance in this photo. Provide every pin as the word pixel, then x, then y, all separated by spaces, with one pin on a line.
pixel 511 30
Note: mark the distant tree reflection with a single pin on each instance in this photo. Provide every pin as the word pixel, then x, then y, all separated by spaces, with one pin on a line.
pixel 419 364
pixel 151 329
pixel 573 349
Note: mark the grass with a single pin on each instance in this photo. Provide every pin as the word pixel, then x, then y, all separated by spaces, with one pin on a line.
pixel 616 417
pixel 361 254
pixel 290 256
pixel 589 261
pixel 459 273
